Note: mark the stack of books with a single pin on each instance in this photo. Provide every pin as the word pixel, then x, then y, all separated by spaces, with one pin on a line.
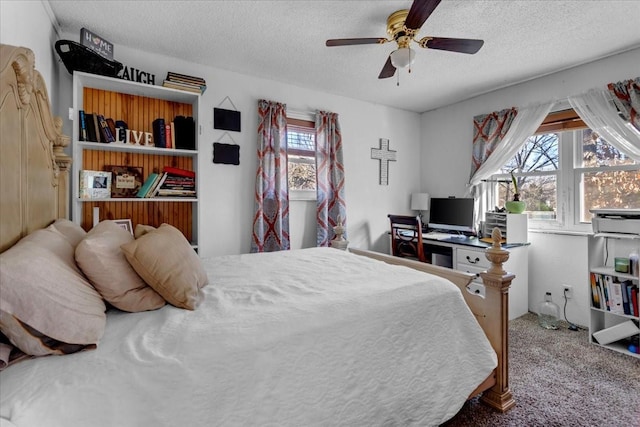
pixel 185 82
pixel 172 182
pixel 96 128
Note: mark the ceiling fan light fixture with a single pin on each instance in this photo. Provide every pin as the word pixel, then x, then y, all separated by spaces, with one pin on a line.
pixel 402 57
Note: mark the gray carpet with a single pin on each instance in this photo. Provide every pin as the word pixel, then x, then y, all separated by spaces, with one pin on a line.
pixel 559 379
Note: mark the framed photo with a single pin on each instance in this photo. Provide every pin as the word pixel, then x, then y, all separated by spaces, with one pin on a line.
pixel 126 224
pixel 125 180
pixel 95 184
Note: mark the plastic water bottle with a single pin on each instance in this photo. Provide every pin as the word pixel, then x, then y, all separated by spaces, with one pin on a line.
pixel 548 313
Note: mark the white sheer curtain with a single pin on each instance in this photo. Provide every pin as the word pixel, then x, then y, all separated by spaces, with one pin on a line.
pixel 522 127
pixel 599 113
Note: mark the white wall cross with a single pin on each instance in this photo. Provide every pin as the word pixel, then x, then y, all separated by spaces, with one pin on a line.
pixel 385 156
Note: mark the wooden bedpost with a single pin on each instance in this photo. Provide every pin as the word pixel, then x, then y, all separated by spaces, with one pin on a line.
pixel 63 162
pixel 497 282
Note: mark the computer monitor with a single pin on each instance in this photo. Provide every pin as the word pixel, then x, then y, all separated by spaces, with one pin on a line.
pixel 451 214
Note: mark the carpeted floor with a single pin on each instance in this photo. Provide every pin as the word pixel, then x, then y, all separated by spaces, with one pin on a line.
pixel 559 379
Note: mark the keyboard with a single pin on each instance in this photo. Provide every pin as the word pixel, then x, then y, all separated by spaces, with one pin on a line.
pixel 434 235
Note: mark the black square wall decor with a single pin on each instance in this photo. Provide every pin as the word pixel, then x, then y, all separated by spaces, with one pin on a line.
pixel 228 154
pixel 226 119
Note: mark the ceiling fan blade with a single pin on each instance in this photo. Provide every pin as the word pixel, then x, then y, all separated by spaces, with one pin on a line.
pixel 388 70
pixel 419 12
pixel 454 45
pixel 348 42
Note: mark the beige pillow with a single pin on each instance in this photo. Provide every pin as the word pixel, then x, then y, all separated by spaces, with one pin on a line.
pixel 42 289
pixel 32 341
pixel 167 262
pixel 70 230
pixel 100 258
pixel 142 229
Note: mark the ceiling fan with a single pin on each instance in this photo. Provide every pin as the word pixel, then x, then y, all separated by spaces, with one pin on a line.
pixel 402 27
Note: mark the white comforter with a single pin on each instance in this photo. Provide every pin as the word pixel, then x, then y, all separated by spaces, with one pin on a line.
pixel 298 338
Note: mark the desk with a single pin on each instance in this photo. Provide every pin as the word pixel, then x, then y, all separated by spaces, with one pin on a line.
pixel 467 254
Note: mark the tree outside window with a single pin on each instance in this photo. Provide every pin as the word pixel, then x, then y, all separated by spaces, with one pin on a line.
pixel 535 168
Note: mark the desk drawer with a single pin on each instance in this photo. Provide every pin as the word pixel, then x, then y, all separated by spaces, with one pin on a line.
pixel 471 258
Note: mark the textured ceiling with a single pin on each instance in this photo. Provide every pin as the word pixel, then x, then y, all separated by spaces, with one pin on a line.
pixel 284 41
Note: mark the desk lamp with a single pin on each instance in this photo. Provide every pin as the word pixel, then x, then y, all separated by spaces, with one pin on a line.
pixel 420 202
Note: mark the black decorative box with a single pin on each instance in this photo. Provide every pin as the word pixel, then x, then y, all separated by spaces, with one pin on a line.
pixel 77 57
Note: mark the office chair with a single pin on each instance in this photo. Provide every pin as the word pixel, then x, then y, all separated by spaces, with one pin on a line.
pixel 406 237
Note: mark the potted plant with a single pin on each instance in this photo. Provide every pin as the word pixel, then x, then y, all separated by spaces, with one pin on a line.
pixel 515 205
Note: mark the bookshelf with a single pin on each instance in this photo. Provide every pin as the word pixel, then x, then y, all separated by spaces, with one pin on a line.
pixel 138 105
pixel 604 319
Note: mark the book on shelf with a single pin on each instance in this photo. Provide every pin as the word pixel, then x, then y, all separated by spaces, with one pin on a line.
pixel 105 132
pixel 625 296
pixel 126 181
pixel 185 133
pixel 148 183
pixel 112 127
pixel 183 86
pixel 154 187
pixel 163 192
pixel 184 77
pixel 179 172
pixel 176 182
pixel 610 294
pixel 614 292
pixel 159 133
pixel 595 296
pixel 157 184
pixel 82 126
pixel 185 82
pixel 95 184
pixel 91 129
pixel 168 135
pixel 179 182
pixel 96 126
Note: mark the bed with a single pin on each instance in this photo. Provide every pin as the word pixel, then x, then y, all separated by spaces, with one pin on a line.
pixel 307 337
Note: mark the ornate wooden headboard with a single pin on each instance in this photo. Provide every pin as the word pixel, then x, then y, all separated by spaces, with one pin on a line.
pixel 33 165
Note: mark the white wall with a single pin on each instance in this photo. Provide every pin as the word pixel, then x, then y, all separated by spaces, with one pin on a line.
pixel 28 24
pixel 446 157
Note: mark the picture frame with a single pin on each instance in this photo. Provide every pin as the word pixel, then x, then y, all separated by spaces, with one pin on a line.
pixel 95 184
pixel 125 180
pixel 125 224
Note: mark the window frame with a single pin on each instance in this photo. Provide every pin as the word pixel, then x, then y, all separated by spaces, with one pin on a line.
pixel 568 126
pixel 307 122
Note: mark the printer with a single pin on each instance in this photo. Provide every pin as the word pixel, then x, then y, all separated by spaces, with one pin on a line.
pixel 624 221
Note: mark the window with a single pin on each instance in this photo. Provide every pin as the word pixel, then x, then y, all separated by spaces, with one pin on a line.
pixel 564 170
pixel 301 159
pixel 606 177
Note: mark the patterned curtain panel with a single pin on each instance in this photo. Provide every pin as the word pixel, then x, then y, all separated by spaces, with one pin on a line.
pixel 271 216
pixel 331 202
pixel 626 97
pixel 497 138
pixel 488 131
